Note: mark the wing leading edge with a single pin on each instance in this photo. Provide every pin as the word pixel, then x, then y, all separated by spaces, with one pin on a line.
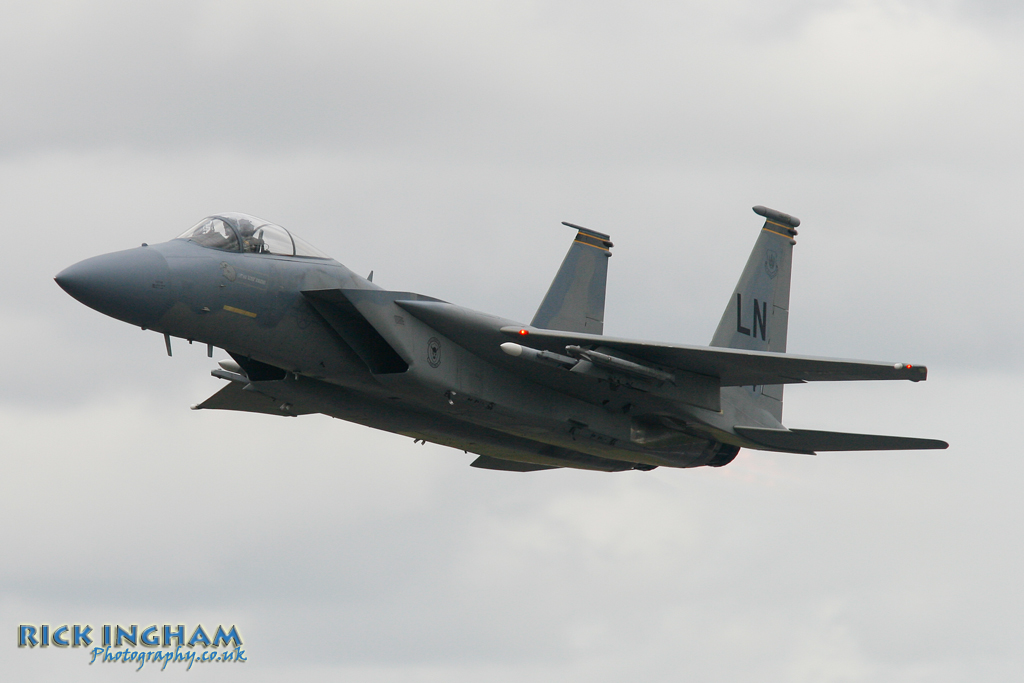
pixel 733 367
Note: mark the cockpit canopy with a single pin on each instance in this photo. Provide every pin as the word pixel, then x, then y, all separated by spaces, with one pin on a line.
pixel 249 235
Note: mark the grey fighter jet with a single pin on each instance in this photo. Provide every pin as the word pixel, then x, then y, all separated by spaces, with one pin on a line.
pixel 307 335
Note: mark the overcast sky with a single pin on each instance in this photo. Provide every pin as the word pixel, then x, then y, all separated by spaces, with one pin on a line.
pixel 440 144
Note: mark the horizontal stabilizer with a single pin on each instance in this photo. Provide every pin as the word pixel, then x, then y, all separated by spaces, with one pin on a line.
pixel 810 441
pixel 486 462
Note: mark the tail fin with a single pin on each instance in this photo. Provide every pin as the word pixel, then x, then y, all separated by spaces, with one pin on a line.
pixel 757 316
pixel 575 300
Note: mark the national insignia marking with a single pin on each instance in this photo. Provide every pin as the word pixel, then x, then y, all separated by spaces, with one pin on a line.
pixel 434 352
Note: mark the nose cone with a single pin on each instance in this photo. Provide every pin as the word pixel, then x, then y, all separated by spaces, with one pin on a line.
pixel 133 285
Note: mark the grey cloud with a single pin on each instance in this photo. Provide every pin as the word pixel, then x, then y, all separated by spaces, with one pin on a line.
pixel 848 560
pixel 528 85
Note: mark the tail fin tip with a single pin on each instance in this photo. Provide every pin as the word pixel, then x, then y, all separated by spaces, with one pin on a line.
pixel 592 233
pixel 787 221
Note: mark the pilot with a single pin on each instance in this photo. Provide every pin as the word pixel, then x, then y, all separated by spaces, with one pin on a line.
pixel 252 240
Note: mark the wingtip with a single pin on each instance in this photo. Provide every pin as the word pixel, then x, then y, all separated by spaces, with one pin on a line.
pixel 915 373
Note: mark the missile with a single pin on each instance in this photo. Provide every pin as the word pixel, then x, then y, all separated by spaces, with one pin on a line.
pixel 231 366
pixel 620 364
pixel 546 357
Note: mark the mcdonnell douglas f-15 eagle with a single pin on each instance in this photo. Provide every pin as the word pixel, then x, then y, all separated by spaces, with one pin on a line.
pixel 307 335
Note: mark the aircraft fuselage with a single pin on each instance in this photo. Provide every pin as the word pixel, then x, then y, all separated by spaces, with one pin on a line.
pixel 307 335
pixel 253 306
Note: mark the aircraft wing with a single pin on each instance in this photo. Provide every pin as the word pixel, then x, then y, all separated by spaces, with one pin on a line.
pixel 733 367
pixel 487 462
pixel 233 396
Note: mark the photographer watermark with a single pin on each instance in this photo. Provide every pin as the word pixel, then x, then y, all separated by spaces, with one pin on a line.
pixel 154 645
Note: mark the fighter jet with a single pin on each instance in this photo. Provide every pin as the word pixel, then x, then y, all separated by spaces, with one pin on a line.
pixel 307 335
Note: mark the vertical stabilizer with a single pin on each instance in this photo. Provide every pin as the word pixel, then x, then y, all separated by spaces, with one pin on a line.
pixel 757 315
pixel 575 300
